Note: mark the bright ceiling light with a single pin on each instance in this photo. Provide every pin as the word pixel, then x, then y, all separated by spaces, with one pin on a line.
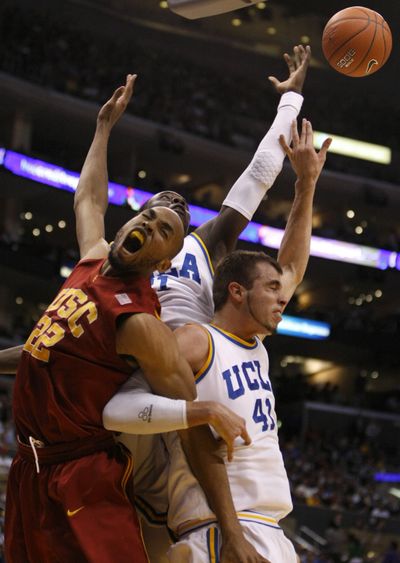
pixel 354 148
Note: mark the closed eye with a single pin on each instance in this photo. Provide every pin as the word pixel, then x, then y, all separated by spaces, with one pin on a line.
pixel 275 286
pixel 166 230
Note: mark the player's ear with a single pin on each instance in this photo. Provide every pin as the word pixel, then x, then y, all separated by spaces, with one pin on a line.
pixel 236 291
pixel 163 265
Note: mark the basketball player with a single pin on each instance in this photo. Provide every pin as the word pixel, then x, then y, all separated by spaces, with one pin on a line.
pixel 230 363
pixel 69 489
pixel 185 292
pixel 250 293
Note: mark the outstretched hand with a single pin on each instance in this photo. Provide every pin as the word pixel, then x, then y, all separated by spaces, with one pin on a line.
pixel 297 65
pixel 112 110
pixel 305 160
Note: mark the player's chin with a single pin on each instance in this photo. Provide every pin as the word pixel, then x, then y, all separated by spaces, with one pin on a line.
pixel 118 263
pixel 272 327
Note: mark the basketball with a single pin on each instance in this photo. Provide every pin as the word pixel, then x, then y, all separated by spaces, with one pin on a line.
pixel 357 41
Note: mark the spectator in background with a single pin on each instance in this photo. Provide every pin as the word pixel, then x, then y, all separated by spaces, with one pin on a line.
pixel 336 538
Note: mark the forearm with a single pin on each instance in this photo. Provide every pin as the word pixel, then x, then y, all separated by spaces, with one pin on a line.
pixel 135 410
pixel 248 191
pixel 294 250
pixel 9 359
pixel 144 413
pixel 201 450
pixel 93 181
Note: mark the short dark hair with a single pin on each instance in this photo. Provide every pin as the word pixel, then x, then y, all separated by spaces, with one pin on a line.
pixel 156 201
pixel 239 266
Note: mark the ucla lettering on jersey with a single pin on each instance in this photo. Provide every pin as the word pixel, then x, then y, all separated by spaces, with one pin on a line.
pixel 185 290
pixel 236 375
pixel 244 381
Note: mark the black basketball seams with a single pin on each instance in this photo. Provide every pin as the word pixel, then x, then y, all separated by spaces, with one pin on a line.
pixel 349 39
pixel 382 23
pixel 369 48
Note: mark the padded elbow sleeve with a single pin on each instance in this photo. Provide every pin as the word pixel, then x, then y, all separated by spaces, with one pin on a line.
pixel 251 187
pixel 134 410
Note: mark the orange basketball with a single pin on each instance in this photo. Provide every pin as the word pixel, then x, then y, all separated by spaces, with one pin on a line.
pixel 357 41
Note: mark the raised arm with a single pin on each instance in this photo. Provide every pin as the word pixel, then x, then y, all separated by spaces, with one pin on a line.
pixel 295 246
pixel 221 233
pixel 91 196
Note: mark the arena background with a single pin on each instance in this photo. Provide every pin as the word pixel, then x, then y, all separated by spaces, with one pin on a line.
pixel 201 104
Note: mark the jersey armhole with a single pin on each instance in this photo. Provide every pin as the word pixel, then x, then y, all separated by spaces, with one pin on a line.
pixel 204 250
pixel 205 368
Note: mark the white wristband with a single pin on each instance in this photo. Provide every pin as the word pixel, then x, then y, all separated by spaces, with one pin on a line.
pixel 251 187
pixel 134 410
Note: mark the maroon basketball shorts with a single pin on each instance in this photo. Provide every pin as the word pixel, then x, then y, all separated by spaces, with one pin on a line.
pixel 72 512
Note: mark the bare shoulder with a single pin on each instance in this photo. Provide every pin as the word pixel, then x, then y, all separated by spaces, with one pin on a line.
pixel 145 325
pixel 99 250
pixel 143 334
pixel 193 344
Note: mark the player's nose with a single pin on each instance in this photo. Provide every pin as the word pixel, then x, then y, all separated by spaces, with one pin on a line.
pixel 148 225
pixel 282 301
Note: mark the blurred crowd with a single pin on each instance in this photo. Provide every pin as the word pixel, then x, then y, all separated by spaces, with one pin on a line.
pixel 338 473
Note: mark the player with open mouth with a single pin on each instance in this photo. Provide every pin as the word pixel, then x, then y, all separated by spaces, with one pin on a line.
pixel 140 244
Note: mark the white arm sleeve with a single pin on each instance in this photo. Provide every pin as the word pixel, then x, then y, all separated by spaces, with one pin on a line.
pixel 251 187
pixel 135 410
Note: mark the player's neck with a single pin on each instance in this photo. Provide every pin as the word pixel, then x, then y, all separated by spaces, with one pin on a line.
pixel 232 323
pixel 108 270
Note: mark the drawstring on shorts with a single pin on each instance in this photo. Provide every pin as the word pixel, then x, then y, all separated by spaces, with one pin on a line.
pixel 35 444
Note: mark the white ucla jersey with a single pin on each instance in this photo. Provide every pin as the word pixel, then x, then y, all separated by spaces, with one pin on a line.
pixel 235 374
pixel 185 290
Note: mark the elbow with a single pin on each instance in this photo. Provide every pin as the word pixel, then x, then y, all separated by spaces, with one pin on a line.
pixel 192 395
pixel 298 278
pixel 109 418
pixel 190 390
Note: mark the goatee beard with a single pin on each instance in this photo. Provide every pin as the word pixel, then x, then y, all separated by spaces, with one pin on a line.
pixel 116 264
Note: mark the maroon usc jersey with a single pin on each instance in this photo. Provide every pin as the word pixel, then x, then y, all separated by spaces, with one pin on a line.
pixel 69 367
